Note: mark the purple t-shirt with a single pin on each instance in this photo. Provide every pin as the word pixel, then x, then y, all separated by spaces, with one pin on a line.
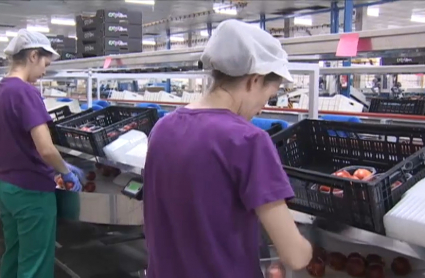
pixel 206 171
pixel 22 109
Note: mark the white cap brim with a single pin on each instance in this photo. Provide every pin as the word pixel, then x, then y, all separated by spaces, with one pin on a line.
pixel 55 55
pixel 284 72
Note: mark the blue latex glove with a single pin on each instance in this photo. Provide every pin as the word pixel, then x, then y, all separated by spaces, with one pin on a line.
pixel 71 177
pixel 75 176
pixel 77 171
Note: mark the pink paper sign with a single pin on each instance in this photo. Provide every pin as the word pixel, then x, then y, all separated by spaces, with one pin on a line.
pixel 348 44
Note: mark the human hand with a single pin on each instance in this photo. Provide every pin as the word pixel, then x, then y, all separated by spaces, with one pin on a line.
pixel 71 182
pixel 77 171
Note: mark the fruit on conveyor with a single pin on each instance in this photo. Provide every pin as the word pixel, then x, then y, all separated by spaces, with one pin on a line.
pixel 316 267
pixel 362 173
pixel 342 174
pixel 59 182
pixel 89 187
pixel 356 255
pixel 375 271
pixel 106 171
pixel 373 259
pixel 401 266
pixel 356 267
pixel 91 176
pixel 276 270
pixel 337 261
pixel 69 185
pixel 115 172
pixel 319 252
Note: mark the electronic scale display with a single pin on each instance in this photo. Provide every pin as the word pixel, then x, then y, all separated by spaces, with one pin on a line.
pixel 134 189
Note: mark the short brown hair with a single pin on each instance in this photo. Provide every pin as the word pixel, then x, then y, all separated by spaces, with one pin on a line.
pixel 21 57
pixel 221 78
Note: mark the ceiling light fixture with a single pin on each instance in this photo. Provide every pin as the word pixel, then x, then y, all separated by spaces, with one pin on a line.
pixel 303 20
pixel 204 33
pixel 417 18
pixel 11 34
pixel 41 29
pixel 141 2
pixel 63 21
pixel 4 39
pixel 148 42
pixel 176 39
pixel 225 9
pixel 373 11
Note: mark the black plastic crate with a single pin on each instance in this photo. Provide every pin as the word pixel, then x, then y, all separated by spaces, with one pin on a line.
pixel 108 124
pixel 312 150
pixel 60 115
pixel 276 127
pixel 398 106
pixel 57 115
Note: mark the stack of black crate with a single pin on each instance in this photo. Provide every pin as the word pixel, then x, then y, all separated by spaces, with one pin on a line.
pixel 109 32
pixel 66 47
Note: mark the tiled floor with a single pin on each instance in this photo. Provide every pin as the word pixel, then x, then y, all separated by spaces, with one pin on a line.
pixel 88 257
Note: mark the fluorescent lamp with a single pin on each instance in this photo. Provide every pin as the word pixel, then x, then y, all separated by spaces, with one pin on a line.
pixel 417 18
pixel 72 37
pixel 303 20
pixel 204 33
pixel 141 2
pixel 41 29
pixel 176 39
pixel 11 34
pixel 63 21
pixel 225 9
pixel 147 42
pixel 4 39
pixel 373 11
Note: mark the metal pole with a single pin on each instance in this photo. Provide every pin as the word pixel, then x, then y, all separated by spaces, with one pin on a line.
pixel 98 88
pixel 262 22
pixel 168 82
pixel 313 105
pixel 334 17
pixel 89 89
pixel 209 29
pixel 348 27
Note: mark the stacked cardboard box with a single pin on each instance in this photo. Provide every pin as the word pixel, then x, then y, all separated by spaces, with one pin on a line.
pixel 109 32
pixel 66 47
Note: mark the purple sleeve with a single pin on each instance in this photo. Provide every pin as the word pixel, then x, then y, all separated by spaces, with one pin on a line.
pixel 32 111
pixel 261 177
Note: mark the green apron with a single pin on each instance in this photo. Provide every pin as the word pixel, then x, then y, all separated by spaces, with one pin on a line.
pixel 29 226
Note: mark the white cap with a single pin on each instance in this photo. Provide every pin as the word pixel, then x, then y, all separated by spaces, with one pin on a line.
pixel 237 48
pixel 26 40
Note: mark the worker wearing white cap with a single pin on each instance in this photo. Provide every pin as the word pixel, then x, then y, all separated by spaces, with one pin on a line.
pixel 210 174
pixel 28 162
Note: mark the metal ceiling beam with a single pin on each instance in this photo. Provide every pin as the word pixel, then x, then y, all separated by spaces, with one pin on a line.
pixel 378 40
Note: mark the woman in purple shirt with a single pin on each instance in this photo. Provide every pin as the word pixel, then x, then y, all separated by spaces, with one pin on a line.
pixel 210 174
pixel 28 162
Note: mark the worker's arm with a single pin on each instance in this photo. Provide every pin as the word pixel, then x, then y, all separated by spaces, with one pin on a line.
pixel 293 249
pixel 264 188
pixel 33 118
pixel 48 152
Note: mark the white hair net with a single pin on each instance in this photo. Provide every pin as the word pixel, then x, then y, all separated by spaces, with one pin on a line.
pixel 26 40
pixel 237 48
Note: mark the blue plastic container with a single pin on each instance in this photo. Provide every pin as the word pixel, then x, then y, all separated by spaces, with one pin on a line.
pixel 95 107
pixel 102 103
pixel 266 124
pixel 340 118
pixel 64 99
